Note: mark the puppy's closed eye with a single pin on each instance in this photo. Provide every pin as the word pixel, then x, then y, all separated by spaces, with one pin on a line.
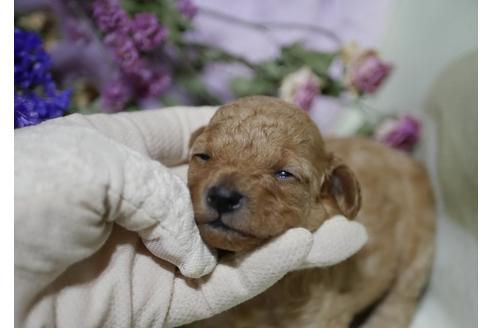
pixel 202 156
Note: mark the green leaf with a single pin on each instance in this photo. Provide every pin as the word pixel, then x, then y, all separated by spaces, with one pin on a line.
pixel 169 101
pixel 132 108
pixel 319 62
pixel 274 70
pixel 366 130
pixel 193 84
pixel 215 55
pixel 91 108
pixel 331 87
pixel 133 7
pixel 296 55
pixel 242 87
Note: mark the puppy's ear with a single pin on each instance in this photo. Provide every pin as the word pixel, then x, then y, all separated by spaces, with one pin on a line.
pixel 341 190
pixel 195 135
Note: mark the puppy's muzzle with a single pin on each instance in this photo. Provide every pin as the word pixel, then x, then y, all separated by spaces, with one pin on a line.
pixel 224 199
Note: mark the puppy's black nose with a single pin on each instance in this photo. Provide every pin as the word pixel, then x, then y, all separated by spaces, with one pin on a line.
pixel 224 199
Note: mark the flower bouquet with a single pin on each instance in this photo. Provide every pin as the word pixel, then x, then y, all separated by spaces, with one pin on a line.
pixel 111 56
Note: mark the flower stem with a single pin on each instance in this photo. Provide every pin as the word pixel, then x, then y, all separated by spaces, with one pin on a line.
pixel 222 54
pixel 268 26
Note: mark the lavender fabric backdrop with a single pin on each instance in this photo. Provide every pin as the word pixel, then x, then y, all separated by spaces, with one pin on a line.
pixel 350 20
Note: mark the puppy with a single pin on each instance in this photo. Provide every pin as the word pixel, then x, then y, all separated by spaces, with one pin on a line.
pixel 261 167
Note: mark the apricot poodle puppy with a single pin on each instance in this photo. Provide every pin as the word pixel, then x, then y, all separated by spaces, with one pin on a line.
pixel 261 167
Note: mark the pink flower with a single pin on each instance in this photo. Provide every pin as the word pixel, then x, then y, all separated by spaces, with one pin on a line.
pixel 306 94
pixel 401 133
pixel 367 72
pixel 300 88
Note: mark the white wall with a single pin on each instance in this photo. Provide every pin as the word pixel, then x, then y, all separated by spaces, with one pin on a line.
pixel 422 38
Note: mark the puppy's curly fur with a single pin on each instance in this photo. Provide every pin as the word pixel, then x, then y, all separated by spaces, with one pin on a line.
pixel 272 159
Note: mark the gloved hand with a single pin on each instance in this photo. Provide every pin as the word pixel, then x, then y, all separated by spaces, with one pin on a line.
pixel 77 176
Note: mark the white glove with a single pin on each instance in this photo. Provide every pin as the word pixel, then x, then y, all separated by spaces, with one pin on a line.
pixel 336 240
pixel 244 277
pixel 76 176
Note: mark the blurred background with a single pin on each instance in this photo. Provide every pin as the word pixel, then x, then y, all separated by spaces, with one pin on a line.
pixel 403 72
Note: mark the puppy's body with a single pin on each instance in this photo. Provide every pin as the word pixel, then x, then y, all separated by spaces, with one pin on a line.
pixel 388 273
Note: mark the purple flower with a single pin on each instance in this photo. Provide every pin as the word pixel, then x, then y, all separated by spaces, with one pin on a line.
pixel 77 31
pixel 141 73
pixel 160 82
pixel 367 72
pixel 115 96
pixel 109 16
pixel 147 32
pixel 31 63
pixel 36 96
pixel 148 81
pixel 187 8
pixel 25 111
pixel 30 108
pixel 401 133
pixel 127 39
pixel 57 104
pixel 124 51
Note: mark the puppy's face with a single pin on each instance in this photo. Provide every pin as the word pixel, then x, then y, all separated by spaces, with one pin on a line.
pixel 258 169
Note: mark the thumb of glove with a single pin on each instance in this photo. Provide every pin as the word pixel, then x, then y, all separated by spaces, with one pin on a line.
pixel 147 198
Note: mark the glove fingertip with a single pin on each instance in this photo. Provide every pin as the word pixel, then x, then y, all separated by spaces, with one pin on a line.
pixel 199 267
pixel 296 236
pixel 294 243
pixel 195 264
pixel 362 236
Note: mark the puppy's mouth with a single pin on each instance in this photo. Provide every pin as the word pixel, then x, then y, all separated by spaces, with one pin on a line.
pixel 220 225
pixel 220 235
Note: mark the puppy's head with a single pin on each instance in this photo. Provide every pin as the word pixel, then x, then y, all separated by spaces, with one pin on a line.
pixel 258 169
